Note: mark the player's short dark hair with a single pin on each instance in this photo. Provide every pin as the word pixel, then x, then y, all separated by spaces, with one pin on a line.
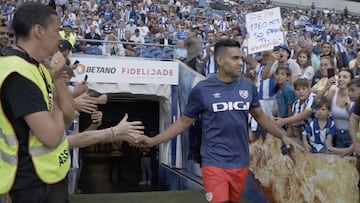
pixel 221 45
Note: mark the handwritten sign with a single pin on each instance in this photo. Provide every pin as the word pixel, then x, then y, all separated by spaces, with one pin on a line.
pixel 264 30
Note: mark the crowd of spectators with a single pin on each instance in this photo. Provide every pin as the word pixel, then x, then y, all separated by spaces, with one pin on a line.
pixel 294 79
pixel 315 40
pixel 167 21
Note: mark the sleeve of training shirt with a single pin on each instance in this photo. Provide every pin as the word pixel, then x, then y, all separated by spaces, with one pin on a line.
pixel 195 103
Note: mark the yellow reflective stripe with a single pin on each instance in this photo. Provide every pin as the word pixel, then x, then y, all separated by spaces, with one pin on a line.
pixel 12 160
pixel 10 140
pixel 42 150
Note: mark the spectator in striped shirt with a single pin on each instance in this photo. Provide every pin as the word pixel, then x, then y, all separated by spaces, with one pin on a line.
pixel 208 55
pixel 265 86
pixel 318 134
pixel 303 109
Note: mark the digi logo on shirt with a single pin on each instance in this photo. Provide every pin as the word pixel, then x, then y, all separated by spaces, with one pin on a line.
pixel 231 106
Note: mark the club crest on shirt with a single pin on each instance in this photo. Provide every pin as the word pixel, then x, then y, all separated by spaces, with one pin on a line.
pixel 244 94
pixel 209 196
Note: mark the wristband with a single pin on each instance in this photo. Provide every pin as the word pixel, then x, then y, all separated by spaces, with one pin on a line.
pixel 112 132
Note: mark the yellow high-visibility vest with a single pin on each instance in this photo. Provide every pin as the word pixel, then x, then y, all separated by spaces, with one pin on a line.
pixel 51 164
pixel 71 38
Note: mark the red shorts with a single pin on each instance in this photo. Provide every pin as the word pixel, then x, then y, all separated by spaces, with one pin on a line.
pixel 222 184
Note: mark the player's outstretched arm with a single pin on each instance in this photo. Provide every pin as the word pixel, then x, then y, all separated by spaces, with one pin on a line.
pixel 175 129
pixel 271 127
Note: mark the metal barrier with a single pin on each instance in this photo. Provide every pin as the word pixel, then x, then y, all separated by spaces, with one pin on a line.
pixel 146 50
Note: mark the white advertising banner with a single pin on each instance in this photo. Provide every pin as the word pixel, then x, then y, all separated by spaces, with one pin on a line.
pixel 264 30
pixel 121 70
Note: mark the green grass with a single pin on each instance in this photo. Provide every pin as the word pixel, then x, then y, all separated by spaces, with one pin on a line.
pixel 184 196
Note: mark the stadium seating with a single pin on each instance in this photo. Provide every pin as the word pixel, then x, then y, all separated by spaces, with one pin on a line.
pixel 155 52
pixel 149 39
pixel 93 50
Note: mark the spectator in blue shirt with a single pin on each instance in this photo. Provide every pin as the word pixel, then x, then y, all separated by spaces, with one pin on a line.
pixel 180 51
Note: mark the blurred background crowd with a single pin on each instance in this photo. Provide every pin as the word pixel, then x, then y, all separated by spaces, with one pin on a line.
pixel 170 22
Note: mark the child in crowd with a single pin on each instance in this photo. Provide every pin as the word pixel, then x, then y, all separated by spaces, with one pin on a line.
pixel 285 94
pixel 304 60
pixel 316 135
pixel 336 91
pixel 303 109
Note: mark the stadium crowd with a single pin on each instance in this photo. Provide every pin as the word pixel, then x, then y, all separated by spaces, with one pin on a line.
pixel 312 75
pixel 316 42
pixel 316 68
pixel 170 23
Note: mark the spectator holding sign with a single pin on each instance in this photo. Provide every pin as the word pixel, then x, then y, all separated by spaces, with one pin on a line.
pixel 263 29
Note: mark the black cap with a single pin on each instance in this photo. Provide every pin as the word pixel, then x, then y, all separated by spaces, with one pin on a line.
pixel 64 45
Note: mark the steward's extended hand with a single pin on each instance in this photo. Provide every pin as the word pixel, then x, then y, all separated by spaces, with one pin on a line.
pixel 128 131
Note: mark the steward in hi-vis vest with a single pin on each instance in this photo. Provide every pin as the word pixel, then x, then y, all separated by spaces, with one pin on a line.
pixel 50 164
